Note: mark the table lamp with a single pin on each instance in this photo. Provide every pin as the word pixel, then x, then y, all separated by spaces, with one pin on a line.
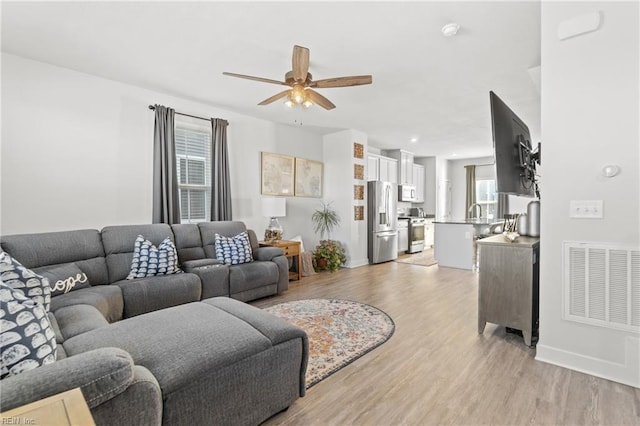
pixel 274 207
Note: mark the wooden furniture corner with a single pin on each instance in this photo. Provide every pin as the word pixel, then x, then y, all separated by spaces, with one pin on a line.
pixel 66 408
pixel 291 250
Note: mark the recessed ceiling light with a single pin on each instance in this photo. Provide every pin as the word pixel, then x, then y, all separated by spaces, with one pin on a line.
pixel 414 140
pixel 450 29
pixel 454 155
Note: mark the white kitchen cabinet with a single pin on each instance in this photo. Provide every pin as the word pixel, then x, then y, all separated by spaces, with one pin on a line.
pixel 418 181
pixel 428 233
pixel 405 165
pixel 373 167
pixel 391 166
pixel 382 168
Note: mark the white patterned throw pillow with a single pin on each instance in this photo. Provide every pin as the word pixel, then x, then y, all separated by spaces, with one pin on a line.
pixel 233 250
pixel 149 260
pixel 25 281
pixel 26 336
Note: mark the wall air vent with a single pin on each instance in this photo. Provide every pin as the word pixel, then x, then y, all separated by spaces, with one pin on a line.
pixel 602 285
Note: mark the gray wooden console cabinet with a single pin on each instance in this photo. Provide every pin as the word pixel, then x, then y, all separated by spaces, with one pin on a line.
pixel 508 292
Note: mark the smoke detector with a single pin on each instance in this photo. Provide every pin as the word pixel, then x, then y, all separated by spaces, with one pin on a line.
pixel 450 29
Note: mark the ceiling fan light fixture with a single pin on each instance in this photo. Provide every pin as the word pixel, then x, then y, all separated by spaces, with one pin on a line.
pixel 289 103
pixel 297 94
pixel 307 103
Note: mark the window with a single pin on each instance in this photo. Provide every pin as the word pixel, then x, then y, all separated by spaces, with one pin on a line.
pixel 487 197
pixel 193 158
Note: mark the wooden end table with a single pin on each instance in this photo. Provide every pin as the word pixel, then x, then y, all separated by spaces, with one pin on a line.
pixel 291 250
pixel 66 408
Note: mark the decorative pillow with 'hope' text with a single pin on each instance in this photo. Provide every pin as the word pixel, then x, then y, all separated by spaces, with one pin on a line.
pixel 66 278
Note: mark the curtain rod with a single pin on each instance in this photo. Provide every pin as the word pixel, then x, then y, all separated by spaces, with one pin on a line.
pixel 153 108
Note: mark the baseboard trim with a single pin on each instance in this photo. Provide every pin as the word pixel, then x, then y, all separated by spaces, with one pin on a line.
pixel 356 263
pixel 627 373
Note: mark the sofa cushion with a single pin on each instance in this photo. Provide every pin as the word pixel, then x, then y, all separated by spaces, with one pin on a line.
pixel 149 260
pixel 25 281
pixel 188 242
pixel 144 295
pixel 171 344
pixel 233 250
pixel 118 244
pixel 105 298
pixel 252 275
pixel 42 251
pixel 78 319
pixel 27 338
pixel 66 278
pixel 208 231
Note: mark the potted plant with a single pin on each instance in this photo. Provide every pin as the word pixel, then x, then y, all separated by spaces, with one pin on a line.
pixel 329 254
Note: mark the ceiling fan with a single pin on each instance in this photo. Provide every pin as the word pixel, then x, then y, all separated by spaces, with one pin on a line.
pixel 301 83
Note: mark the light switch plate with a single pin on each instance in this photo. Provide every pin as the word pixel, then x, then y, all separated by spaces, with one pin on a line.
pixel 586 209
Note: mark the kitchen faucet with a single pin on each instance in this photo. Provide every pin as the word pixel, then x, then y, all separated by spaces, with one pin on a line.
pixel 472 208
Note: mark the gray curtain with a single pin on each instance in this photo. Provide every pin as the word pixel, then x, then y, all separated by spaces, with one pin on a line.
pixel 166 198
pixel 220 182
pixel 503 205
pixel 471 188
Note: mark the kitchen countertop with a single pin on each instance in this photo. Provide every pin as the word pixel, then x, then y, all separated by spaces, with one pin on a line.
pixel 468 221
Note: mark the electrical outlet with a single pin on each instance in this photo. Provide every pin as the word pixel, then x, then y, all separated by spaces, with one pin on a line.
pixel 586 209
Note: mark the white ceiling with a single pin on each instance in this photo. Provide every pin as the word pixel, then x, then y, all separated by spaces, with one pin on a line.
pixel 424 85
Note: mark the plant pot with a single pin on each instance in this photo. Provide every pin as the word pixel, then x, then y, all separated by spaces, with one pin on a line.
pixel 322 264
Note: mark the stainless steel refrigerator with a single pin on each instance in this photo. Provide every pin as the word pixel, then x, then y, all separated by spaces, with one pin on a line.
pixel 382 220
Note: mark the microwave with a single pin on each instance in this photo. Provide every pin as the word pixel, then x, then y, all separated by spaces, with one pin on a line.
pixel 406 193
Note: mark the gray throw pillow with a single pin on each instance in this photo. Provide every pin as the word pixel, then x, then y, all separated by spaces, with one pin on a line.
pixel 66 278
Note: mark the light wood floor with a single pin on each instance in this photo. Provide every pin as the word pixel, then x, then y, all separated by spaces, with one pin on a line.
pixel 436 369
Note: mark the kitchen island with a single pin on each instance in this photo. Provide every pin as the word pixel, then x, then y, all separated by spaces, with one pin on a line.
pixel 455 241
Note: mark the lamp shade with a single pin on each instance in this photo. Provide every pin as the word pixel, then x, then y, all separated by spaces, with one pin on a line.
pixel 274 207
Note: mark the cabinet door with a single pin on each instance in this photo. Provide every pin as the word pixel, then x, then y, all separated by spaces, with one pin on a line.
pixel 418 181
pixel 384 170
pixel 428 233
pixel 373 168
pixel 392 170
pixel 407 168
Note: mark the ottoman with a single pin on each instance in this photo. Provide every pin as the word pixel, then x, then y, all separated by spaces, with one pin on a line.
pixel 218 361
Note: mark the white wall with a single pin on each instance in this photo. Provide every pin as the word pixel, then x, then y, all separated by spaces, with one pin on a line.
pixel 590 117
pixel 77 152
pixel 339 161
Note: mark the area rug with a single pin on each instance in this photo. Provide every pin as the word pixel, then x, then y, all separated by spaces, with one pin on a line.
pixel 340 331
pixel 424 258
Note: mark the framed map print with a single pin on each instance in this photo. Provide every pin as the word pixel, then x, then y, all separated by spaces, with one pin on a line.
pixel 277 174
pixel 308 178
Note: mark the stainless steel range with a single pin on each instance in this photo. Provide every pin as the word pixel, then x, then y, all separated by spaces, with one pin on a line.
pixel 416 234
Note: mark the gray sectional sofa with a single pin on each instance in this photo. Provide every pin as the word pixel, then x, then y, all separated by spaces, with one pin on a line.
pixel 173 349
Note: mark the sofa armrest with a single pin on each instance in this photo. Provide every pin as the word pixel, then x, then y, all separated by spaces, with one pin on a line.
pixel 101 374
pixel 267 253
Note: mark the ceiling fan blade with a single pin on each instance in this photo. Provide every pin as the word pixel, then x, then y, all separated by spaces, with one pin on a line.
pixel 275 97
pixel 300 65
pixel 354 80
pixel 317 98
pixel 249 77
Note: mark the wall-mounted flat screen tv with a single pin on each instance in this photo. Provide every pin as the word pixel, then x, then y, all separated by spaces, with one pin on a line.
pixel 515 160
